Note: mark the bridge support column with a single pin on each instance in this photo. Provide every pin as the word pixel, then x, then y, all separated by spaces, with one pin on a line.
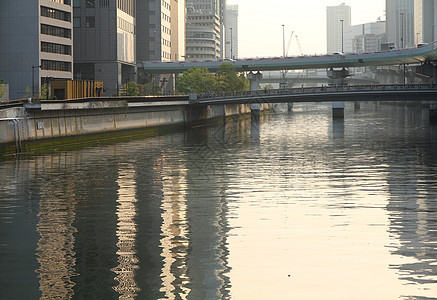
pixel 254 79
pixel 338 109
pixel 433 111
pixel 290 107
pixel 338 76
pixel 357 106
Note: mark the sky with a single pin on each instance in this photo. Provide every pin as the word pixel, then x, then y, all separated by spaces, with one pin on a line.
pixel 260 24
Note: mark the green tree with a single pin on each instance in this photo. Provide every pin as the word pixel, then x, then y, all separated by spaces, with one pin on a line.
pixel 230 80
pixel 226 79
pixel 196 80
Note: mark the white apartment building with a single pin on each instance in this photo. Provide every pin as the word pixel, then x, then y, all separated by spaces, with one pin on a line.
pixel 231 31
pixel 338 18
pixel 205 29
pixel 400 23
pixel 425 21
pixel 36 44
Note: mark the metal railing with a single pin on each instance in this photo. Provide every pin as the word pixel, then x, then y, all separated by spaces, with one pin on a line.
pixel 318 89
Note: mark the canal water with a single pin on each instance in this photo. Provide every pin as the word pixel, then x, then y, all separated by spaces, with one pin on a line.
pixel 293 206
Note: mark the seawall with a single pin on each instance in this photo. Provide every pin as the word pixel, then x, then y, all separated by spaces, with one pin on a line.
pixel 51 123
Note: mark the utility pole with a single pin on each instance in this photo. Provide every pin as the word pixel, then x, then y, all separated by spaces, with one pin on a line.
pixel 33 80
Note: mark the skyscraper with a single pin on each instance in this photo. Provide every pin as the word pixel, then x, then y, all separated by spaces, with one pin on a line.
pixel 338 18
pixel 205 29
pixel 231 29
pixel 36 44
pixel 104 40
pixel 400 23
pixel 425 21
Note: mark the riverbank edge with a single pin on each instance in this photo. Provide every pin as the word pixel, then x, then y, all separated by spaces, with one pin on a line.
pixel 167 120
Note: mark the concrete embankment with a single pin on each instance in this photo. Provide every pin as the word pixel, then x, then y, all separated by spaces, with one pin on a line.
pixel 52 123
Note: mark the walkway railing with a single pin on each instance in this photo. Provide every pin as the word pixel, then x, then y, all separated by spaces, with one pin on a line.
pixel 318 89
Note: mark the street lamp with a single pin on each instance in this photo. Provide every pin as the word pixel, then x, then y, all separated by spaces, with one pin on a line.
pixel 232 56
pixel 402 30
pixel 342 34
pixel 33 80
pixel 283 40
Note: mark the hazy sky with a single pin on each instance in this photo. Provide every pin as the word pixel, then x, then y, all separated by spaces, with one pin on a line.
pixel 260 23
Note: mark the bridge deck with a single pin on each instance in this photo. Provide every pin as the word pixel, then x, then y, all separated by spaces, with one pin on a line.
pixel 393 57
pixel 409 92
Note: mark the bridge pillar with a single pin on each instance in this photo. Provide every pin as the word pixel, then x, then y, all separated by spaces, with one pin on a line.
pixel 433 111
pixel 338 76
pixel 357 105
pixel 290 107
pixel 338 109
pixel 254 79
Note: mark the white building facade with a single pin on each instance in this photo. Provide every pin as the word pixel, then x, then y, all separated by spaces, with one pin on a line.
pixel 231 31
pixel 425 21
pixel 338 18
pixel 205 29
pixel 366 37
pixel 400 23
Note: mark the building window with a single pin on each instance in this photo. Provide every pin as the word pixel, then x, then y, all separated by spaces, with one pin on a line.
pixel 66 2
pixel 54 65
pixel 76 3
pixel 55 14
pixel 90 22
pixel 90 3
pixel 55 31
pixel 76 22
pixel 55 48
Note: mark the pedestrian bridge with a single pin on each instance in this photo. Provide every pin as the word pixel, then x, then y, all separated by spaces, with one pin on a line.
pixel 418 55
pixel 395 92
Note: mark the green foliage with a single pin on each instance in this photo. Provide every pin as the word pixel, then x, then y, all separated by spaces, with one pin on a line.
pixel 133 89
pixel 200 80
pixel 44 91
pixel 269 86
pixel 196 80
pixel 151 89
pixel 28 92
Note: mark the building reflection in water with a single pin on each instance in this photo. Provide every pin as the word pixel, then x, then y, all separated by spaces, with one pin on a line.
pixel 127 287
pixel 174 232
pixel 412 206
pixel 56 215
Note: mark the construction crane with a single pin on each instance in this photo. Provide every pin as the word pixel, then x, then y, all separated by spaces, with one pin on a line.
pixel 298 45
pixel 289 42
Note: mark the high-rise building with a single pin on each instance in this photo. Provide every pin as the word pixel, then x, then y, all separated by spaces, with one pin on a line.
pixel 104 42
pixel 400 23
pixel 338 18
pixel 425 21
pixel 205 29
pixel 178 29
pixel 231 29
pixel 160 30
pixel 36 44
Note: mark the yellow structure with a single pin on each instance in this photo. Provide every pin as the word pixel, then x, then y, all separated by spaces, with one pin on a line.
pixel 73 89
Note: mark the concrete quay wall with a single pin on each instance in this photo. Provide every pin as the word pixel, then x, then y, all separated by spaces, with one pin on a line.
pixel 49 124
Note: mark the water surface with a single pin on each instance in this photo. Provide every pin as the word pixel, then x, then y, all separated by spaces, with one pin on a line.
pixel 293 206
